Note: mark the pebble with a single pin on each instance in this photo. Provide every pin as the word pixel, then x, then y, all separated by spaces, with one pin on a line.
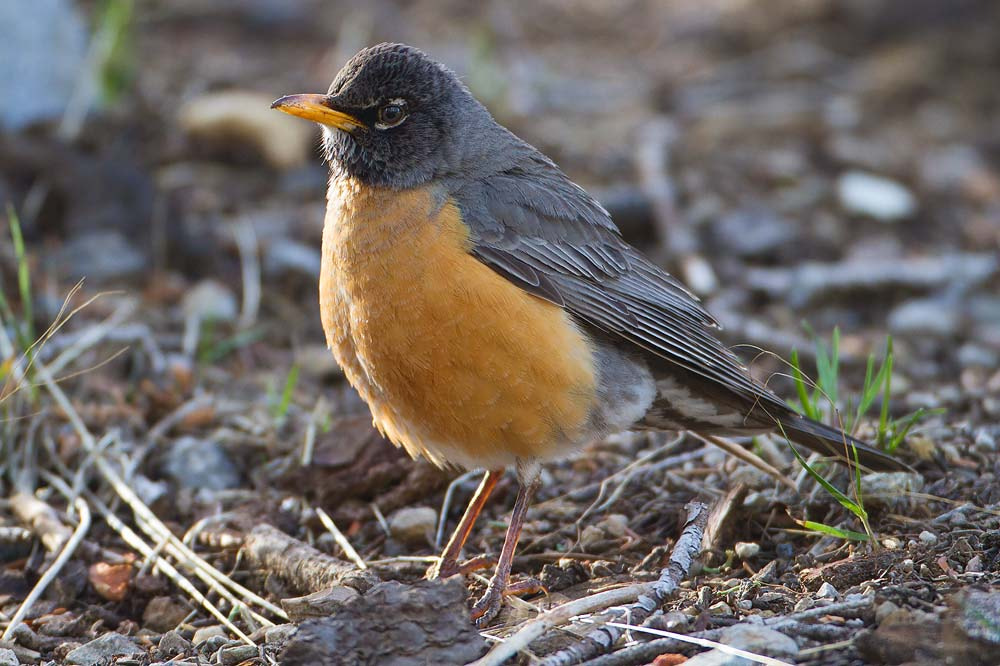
pixel 101 650
pixel 102 254
pixel 720 608
pixel 172 644
pixel 890 490
pixel 237 654
pixel 234 118
pixel 8 657
pixel 884 610
pixel 750 637
pixel 979 610
pixel 201 464
pixel 202 634
pixel 746 550
pixel 875 196
pixel 210 300
pixel 928 538
pixel 164 613
pixel 279 633
pixel 931 316
pixel 284 255
pixel 413 524
pixel 317 361
pixel 985 441
pixel 744 604
pixel 39 77
pixel 827 591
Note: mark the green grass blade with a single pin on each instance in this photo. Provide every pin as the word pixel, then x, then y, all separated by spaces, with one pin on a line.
pixel 829 530
pixel 23 278
pixel 808 408
pixel 883 419
pixel 841 498
pixel 281 410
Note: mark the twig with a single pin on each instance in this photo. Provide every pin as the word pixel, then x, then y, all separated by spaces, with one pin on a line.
pixel 604 637
pixel 341 540
pixel 704 642
pixel 740 453
pixel 685 549
pixel 246 244
pixel 41 519
pixel 446 503
pixel 53 571
pixel 299 565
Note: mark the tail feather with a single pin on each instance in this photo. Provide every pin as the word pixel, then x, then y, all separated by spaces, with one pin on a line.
pixel 829 441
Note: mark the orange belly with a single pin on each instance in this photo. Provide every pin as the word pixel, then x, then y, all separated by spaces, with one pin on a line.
pixel 455 362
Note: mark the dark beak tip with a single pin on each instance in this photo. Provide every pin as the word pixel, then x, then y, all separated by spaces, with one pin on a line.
pixel 276 103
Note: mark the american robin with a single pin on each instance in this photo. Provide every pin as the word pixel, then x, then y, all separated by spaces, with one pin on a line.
pixel 486 307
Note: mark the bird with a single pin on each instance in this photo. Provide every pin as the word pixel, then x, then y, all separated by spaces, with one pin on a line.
pixel 487 308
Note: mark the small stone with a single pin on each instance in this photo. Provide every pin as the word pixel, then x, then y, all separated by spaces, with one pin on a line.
pixel 784 551
pixel 210 300
pixel 884 610
pixel 827 591
pixel 974 565
pixel 750 637
pixel 906 566
pixel 889 490
pixel 874 196
pixel 615 525
pixel 925 315
pixel 164 613
pixel 804 604
pixel 237 654
pixel 234 118
pixel 279 633
pixel 744 604
pixel 985 442
pixel 978 613
pixel 202 634
pixel 101 254
pixel 8 657
pixel 720 608
pixel 413 525
pixel 928 538
pixel 201 464
pixel 316 360
pixel 101 650
pixel 891 543
pixel 284 255
pixel 746 550
pixel 172 644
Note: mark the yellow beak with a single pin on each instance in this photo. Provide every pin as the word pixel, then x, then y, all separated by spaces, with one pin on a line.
pixel 313 107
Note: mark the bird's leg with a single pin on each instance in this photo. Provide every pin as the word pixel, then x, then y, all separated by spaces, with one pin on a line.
pixel 448 565
pixel 487 607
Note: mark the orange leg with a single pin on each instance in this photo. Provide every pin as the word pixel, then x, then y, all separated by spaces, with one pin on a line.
pixel 448 564
pixel 489 605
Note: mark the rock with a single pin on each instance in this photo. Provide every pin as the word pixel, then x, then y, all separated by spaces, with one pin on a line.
pixel 101 254
pixel 979 615
pixel 101 650
pixel 928 538
pixel 753 232
pixel 925 315
pixel 874 196
pixel 234 118
pixel 41 78
pixel 163 614
pixel 316 360
pixel 413 524
pixel 8 657
pixel 231 656
pixel 884 610
pixel 201 464
pixel 210 300
pixel 751 638
pixel 889 490
pixel 746 550
pixel 284 255
pixel 203 634
pixel 172 644
pixel 827 591
pixel 279 633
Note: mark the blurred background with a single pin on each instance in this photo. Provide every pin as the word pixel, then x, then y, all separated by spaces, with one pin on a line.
pixel 803 165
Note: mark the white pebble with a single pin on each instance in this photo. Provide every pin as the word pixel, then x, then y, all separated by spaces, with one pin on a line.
pixel 928 538
pixel 874 196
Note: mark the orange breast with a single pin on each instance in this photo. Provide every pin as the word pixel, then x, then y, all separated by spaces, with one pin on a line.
pixel 455 362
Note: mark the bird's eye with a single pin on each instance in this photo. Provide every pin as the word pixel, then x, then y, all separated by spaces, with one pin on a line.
pixel 391 115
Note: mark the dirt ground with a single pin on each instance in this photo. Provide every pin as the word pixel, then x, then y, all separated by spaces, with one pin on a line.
pixel 188 442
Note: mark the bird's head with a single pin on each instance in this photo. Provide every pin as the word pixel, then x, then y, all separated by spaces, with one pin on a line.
pixel 393 117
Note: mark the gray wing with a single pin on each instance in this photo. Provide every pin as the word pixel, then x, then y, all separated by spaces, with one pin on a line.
pixel 540 230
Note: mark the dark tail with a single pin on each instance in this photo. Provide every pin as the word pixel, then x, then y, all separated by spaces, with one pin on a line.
pixel 829 441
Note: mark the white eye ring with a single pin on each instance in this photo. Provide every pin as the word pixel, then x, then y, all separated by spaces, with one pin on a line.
pixel 399 106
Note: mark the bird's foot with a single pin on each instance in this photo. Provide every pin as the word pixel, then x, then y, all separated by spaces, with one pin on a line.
pixel 489 604
pixel 445 568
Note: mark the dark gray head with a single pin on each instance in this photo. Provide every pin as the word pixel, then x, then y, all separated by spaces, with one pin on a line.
pixel 395 118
